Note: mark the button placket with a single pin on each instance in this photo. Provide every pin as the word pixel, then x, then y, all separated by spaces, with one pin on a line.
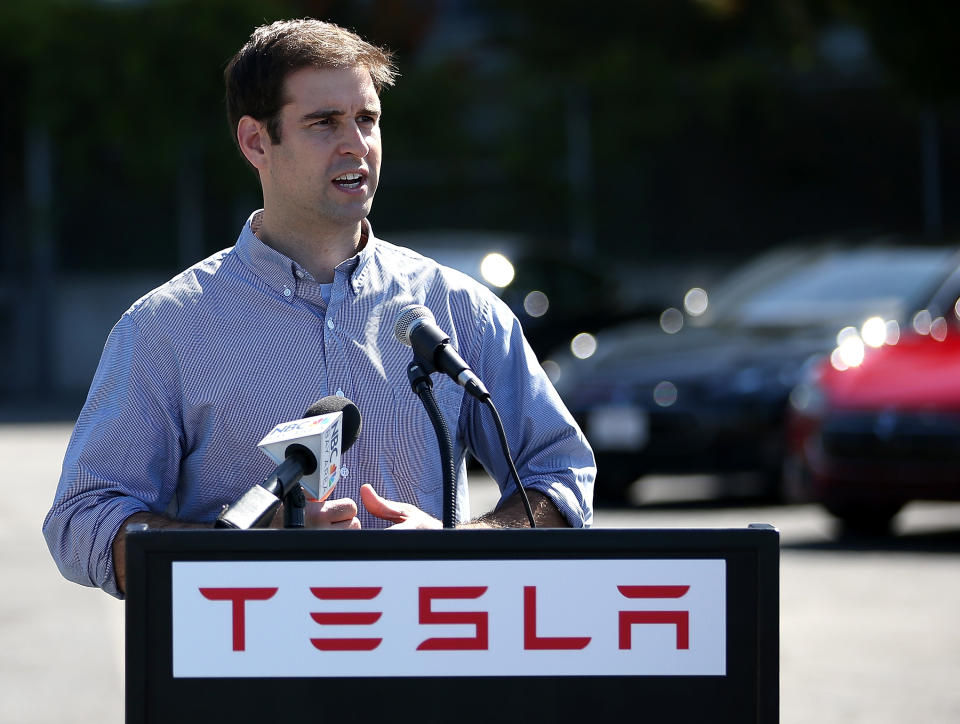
pixel 339 373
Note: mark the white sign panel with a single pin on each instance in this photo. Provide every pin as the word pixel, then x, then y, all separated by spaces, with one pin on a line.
pixel 553 617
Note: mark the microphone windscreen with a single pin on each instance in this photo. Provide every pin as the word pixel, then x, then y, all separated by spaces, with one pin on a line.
pixel 406 319
pixel 351 423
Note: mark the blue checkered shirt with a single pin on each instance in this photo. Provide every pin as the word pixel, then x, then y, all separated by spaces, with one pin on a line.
pixel 200 369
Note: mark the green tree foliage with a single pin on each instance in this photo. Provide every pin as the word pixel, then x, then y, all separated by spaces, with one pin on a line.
pixel 692 104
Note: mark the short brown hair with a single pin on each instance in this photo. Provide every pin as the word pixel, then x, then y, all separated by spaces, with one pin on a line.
pixel 255 76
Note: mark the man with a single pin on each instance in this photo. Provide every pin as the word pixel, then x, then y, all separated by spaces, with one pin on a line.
pixel 197 371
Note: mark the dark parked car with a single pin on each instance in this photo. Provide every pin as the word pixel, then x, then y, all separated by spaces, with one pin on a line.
pixel 706 389
pixel 556 298
pixel 877 424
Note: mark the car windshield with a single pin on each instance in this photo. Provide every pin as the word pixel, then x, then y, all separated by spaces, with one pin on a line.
pixel 881 282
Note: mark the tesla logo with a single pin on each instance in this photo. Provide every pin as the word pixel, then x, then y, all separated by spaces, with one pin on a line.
pixel 466 617
pixel 530 638
pixel 347 618
pixel 479 620
pixel 680 619
pixel 238 597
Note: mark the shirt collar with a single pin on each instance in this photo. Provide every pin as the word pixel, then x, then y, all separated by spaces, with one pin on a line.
pixel 280 271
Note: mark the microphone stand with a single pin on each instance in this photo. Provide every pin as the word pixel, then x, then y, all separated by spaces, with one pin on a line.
pixel 293 504
pixel 257 507
pixel 418 373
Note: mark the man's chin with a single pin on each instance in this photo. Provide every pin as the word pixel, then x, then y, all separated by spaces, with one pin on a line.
pixel 347 214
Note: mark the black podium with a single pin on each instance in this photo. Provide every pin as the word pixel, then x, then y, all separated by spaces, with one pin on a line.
pixel 453 626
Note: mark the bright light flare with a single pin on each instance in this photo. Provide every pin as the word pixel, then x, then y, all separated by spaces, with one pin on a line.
pixel 874 332
pixel 497 269
pixel 836 361
pixel 849 353
pixel 847 333
pixel 696 302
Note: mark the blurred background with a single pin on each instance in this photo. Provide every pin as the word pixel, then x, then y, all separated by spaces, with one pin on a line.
pixel 728 228
pixel 654 144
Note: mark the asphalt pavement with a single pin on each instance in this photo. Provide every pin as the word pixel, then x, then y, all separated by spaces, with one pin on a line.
pixel 62 643
pixel 869 629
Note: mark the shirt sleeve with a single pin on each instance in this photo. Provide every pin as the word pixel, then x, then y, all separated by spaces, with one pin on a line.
pixel 549 450
pixel 123 457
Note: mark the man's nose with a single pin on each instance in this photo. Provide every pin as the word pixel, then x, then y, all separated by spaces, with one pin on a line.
pixel 354 141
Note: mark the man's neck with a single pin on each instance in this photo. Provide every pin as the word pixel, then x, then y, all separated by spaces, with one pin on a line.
pixel 319 251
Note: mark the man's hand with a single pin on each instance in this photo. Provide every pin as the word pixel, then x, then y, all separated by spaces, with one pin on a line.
pixel 512 513
pixel 402 515
pixel 119 547
pixel 340 513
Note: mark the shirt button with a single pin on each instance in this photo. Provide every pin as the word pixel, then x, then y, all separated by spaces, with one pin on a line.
pixel 344 472
pixel 339 392
pixel 330 324
pixel 299 273
pixel 287 292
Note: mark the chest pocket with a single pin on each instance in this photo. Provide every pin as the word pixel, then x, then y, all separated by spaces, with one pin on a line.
pixel 417 465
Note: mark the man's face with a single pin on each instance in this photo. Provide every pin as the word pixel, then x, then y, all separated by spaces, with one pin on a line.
pixel 326 167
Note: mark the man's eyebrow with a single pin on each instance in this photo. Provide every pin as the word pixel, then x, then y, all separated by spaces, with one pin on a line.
pixel 322 113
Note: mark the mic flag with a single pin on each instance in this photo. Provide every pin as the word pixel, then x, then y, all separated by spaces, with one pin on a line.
pixel 331 425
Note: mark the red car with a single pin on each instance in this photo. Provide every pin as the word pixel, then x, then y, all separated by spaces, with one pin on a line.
pixel 877 425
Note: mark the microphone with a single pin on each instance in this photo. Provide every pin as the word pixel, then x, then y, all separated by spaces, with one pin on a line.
pixel 416 327
pixel 308 451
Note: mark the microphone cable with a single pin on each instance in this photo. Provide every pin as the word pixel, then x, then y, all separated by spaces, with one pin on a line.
pixel 505 446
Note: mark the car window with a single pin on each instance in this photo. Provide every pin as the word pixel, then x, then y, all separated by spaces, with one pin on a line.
pixel 845 282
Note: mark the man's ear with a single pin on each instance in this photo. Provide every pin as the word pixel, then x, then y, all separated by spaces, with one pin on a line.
pixel 253 141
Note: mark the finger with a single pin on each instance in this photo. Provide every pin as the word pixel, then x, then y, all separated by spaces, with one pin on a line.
pixel 339 509
pixel 330 512
pixel 417 520
pixel 381 507
pixel 353 524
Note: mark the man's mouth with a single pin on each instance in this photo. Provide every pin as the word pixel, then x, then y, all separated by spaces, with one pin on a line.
pixel 349 180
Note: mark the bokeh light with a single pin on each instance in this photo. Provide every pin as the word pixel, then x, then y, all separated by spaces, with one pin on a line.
pixel 836 361
pixel 671 321
pixel 536 304
pixel 893 331
pixel 665 393
pixel 696 302
pixel 922 321
pixel 497 269
pixel 552 369
pixel 846 333
pixel 852 351
pixel 874 332
pixel 584 345
pixel 938 329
